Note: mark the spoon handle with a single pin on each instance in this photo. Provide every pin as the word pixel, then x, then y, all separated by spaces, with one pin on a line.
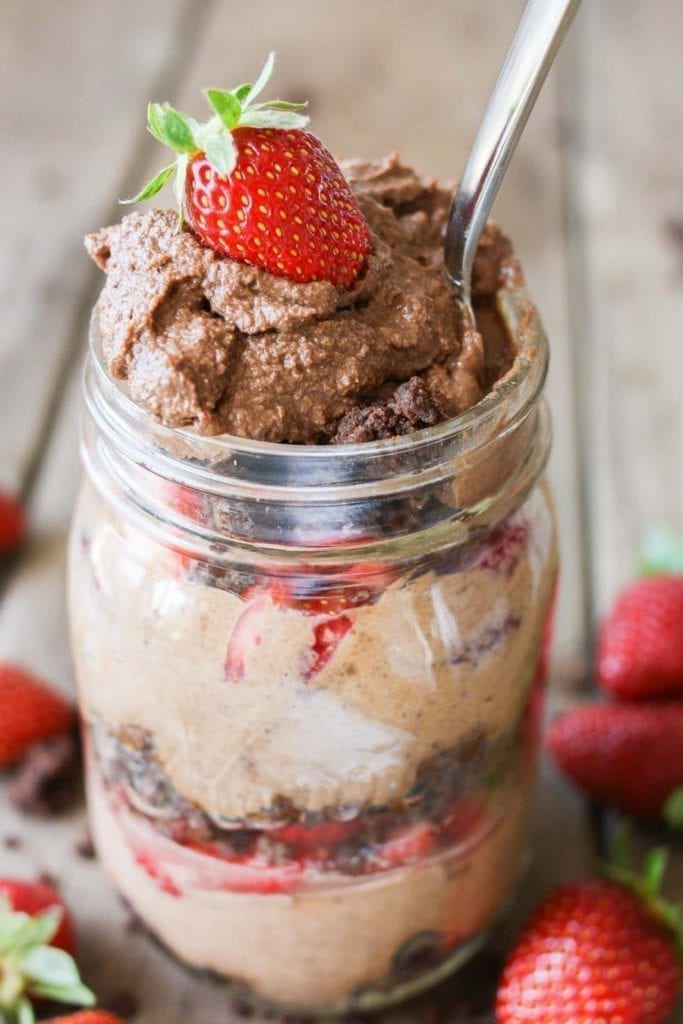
pixel 529 58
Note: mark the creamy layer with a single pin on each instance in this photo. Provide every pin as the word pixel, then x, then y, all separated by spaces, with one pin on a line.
pixel 427 665
pixel 224 347
pixel 312 951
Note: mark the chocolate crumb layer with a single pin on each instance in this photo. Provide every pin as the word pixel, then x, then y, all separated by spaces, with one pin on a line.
pixel 225 347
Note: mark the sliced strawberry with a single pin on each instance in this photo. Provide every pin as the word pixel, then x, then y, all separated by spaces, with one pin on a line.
pixel 309 840
pixel 327 636
pixel 405 847
pixel 246 634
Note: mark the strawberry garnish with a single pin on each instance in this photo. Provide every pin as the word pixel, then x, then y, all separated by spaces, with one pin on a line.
pixel 29 711
pixel 259 189
pixel 36 942
pixel 12 523
pixel 640 651
pixel 34 897
pixel 628 756
pixel 595 952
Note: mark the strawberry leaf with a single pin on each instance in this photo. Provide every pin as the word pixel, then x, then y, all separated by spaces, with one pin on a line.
pixel 262 80
pixel 226 105
pixel 654 867
pixel 24 1013
pixel 265 118
pixel 673 809
pixel 662 554
pixel 171 127
pixel 221 152
pixel 242 91
pixel 152 187
pixel 279 105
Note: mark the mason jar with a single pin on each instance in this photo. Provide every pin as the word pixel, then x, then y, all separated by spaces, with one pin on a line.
pixel 311 682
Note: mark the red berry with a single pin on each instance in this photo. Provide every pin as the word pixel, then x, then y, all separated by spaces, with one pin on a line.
pixel 12 523
pixel 261 190
pixel 629 756
pixel 34 897
pixel 29 712
pixel 286 207
pixel 640 651
pixel 407 846
pixel 591 954
pixel 327 635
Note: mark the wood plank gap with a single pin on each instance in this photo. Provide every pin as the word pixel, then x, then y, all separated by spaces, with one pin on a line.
pixel 572 143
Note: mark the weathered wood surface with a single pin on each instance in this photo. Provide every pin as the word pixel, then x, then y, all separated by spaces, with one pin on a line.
pixel 594 183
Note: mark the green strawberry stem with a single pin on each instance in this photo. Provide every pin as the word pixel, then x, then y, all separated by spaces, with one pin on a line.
pixel 673 809
pixel 31 967
pixel 646 885
pixel 662 554
pixel 232 109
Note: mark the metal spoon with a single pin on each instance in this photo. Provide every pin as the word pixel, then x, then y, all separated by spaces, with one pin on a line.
pixel 538 38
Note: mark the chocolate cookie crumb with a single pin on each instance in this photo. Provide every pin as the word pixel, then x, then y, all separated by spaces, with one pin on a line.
pixel 12 843
pixel 47 782
pixel 85 847
pixel 413 406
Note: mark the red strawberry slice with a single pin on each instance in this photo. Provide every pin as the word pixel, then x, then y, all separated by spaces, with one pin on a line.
pixel 407 846
pixel 202 867
pixel 327 636
pixel 311 840
pixel 246 634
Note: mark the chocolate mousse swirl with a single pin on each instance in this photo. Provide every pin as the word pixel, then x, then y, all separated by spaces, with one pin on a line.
pixel 225 347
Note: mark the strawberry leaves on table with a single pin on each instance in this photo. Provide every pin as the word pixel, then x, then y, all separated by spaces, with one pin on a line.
pixel 31 968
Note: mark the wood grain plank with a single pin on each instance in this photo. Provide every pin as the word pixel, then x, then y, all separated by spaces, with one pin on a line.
pixel 624 126
pixel 626 192
pixel 70 77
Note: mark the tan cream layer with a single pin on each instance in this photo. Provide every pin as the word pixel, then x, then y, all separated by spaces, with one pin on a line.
pixel 429 664
pixel 310 951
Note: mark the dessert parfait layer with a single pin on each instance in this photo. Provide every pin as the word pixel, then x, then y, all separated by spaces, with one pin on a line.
pixel 311 570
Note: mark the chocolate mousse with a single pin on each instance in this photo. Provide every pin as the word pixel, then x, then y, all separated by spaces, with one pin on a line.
pixel 225 347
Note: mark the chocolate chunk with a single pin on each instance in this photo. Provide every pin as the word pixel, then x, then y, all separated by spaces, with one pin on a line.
pixel 85 848
pixel 12 843
pixel 413 406
pixel 48 779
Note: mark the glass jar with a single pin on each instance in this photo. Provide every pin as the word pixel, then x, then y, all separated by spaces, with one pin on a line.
pixel 310 680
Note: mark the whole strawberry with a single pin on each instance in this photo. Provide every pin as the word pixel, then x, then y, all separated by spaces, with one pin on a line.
pixel 640 648
pixel 12 523
pixel 596 952
pixel 35 897
pixel 590 955
pixel 36 940
pixel 259 189
pixel 29 711
pixel 628 756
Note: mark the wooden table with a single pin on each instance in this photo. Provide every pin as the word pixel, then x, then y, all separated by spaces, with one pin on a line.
pixel 593 200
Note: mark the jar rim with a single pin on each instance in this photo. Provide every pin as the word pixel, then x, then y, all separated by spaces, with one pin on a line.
pixel 320 465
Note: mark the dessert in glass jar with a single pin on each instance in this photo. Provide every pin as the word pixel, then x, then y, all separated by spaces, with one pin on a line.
pixel 311 672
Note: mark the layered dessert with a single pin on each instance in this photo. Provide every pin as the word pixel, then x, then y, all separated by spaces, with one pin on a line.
pixel 309 773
